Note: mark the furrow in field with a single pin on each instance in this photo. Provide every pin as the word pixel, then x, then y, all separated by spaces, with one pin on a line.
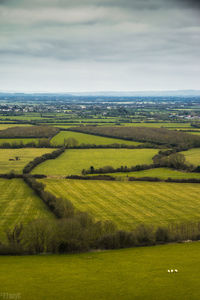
pixel 99 204
pixel 172 206
pixel 19 204
pixel 124 205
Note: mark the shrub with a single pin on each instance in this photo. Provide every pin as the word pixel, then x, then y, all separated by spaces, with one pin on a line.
pixel 162 235
pixel 38 160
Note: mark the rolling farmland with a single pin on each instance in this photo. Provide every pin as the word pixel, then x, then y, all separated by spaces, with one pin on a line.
pixel 83 138
pixel 18 203
pixel 25 155
pixel 74 161
pixel 131 203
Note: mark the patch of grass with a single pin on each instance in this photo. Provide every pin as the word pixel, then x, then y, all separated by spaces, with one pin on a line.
pixel 192 156
pixel 73 161
pixel 5 126
pixel 24 154
pixel 131 203
pixel 18 203
pixel 195 132
pixel 128 274
pixel 64 126
pixel 60 138
pixel 163 173
pixel 159 125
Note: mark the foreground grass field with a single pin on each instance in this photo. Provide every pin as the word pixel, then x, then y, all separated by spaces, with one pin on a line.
pixel 25 155
pixel 74 161
pixel 129 274
pixel 131 203
pixel 83 138
pixel 192 156
pixel 163 173
pixel 18 203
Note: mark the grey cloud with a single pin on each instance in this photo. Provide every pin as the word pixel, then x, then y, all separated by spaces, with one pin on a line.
pixel 134 4
pixel 137 47
pixel 190 3
pixel 154 34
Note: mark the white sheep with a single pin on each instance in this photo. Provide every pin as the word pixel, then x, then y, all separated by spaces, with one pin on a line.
pixel 172 271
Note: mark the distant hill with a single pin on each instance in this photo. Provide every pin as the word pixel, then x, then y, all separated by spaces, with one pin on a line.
pixel 98 96
pixel 178 93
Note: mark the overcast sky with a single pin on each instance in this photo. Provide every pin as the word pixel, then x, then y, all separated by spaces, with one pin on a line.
pixel 99 45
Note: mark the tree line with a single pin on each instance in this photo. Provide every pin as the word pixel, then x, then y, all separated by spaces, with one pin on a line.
pixel 81 233
pixel 72 143
pixel 61 208
pixel 41 143
pixel 131 178
pixel 110 169
pixel 29 132
pixel 168 158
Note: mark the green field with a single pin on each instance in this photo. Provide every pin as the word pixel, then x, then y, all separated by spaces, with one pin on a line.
pixel 128 274
pixel 83 138
pixel 115 121
pixel 192 156
pixel 19 141
pixel 131 203
pixel 159 125
pixel 64 126
pixel 18 203
pixel 74 161
pixel 25 155
pixel 194 132
pixel 163 173
pixel 5 126
pixel 23 117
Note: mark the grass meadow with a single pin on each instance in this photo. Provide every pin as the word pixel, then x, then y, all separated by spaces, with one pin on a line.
pixel 5 126
pixel 83 138
pixel 131 203
pixel 163 173
pixel 194 132
pixel 25 155
pixel 192 156
pixel 72 162
pixel 18 203
pixel 115 122
pixel 159 125
pixel 128 274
